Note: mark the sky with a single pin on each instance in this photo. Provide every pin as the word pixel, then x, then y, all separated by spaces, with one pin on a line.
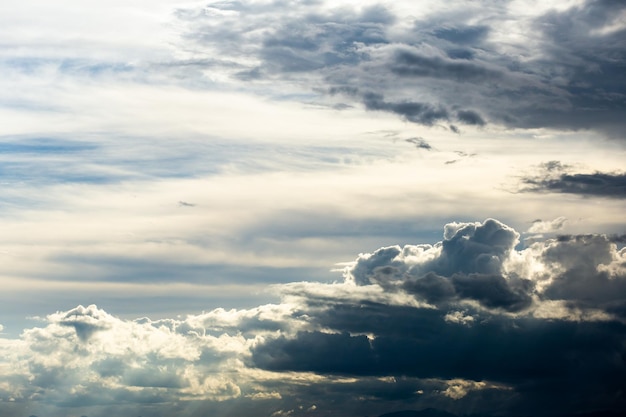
pixel 312 208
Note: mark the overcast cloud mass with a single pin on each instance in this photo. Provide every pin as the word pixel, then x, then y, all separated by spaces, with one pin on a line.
pixel 312 208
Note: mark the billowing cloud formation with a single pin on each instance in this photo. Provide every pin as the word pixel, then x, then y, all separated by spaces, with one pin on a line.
pixel 468 264
pixel 431 65
pixel 468 321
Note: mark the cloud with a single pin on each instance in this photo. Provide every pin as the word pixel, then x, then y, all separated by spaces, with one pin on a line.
pixel 548 226
pixel 472 319
pixel 458 317
pixel 417 112
pixel 470 117
pixel 582 41
pixel 420 143
pixel 557 178
pixel 322 40
pixel 86 321
pixel 511 350
pixel 593 275
pixel 434 66
pixel 409 63
pixel 463 34
pixel 173 108
pixel 427 65
pixel 461 154
pixel 86 351
pixel 468 263
pixel 597 184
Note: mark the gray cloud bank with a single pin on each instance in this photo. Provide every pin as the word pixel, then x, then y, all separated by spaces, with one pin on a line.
pixel 471 324
pixel 564 69
pixel 555 177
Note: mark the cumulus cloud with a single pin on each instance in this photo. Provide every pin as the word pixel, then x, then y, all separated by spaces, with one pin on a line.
pixel 471 319
pixel 86 321
pixel 86 356
pixel 467 264
pixel 516 319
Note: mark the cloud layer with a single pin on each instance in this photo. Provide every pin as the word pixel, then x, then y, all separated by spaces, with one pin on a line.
pixel 471 321
pixel 170 157
pixel 462 65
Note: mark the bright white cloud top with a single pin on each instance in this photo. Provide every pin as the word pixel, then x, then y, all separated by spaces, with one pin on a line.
pixel 205 165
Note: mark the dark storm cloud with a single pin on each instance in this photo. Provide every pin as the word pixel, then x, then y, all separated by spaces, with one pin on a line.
pixel 558 178
pixel 379 395
pixel 439 67
pixel 434 288
pixel 494 291
pixel 524 354
pixel 556 365
pixel 418 342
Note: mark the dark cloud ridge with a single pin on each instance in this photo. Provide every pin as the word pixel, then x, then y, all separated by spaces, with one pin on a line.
pixel 555 177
